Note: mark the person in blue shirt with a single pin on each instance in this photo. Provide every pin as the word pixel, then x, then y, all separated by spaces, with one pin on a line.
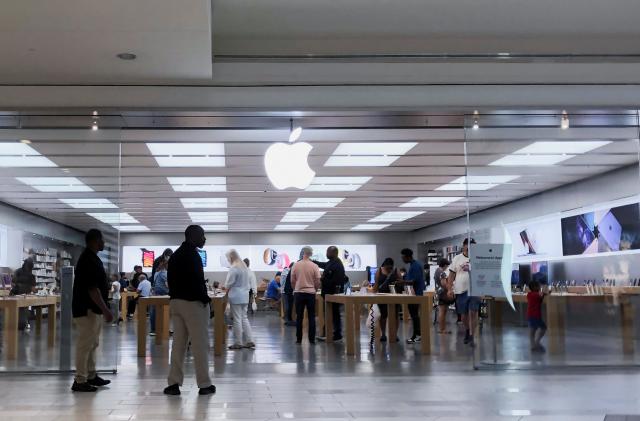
pixel 415 279
pixel 273 289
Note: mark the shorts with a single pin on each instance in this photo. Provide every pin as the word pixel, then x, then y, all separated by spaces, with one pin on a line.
pixel 465 303
pixel 535 323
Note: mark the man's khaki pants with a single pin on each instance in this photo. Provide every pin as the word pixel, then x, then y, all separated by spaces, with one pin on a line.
pixel 190 322
pixel 87 341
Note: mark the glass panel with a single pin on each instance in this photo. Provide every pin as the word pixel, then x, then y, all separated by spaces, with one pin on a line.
pixel 553 202
pixel 53 179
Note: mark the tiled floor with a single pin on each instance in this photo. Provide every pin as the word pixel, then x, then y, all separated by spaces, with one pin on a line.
pixel 280 380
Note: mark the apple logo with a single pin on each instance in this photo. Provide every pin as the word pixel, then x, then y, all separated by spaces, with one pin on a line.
pixel 287 165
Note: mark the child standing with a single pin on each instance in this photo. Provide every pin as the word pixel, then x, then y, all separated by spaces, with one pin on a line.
pixel 537 327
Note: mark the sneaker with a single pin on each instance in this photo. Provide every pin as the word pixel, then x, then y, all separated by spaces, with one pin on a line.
pixel 114 324
pixel 411 340
pixel 173 390
pixel 98 381
pixel 250 345
pixel 337 338
pixel 418 339
pixel 383 338
pixel 83 387
pixel 235 347
pixel 152 333
pixel 471 342
pixel 207 390
pixel 539 348
pixel 321 338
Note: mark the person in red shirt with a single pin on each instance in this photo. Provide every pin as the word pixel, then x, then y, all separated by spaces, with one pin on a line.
pixel 537 327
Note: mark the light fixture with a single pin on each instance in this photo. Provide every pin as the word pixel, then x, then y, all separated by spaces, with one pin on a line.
pixel 291 227
pixel 114 217
pixel 294 134
pixel 55 184
pixel 294 216
pixel 188 154
pixel 94 113
pixel 198 184
pixel 204 202
pixel 317 202
pixel 131 228
pixel 89 203
pixel 476 120
pixel 126 56
pixel 94 126
pixel 477 182
pixel 25 141
pixel 14 155
pixel 564 121
pixel 396 216
pixel 431 202
pixel 548 152
pixel 215 227
pixel 379 154
pixel 337 183
pixel 370 227
pixel 197 217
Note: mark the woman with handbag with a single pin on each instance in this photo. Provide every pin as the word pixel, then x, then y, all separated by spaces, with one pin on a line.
pixel 445 293
pixel 386 276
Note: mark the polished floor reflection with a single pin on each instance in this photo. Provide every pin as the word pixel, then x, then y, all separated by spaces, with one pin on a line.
pixel 280 380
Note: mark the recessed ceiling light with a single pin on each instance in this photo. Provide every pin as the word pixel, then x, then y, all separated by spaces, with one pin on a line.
pixel 360 161
pixel 89 203
pixel 195 184
pixel 25 141
pixel 564 121
pixel 396 216
pixel 94 126
pixel 379 154
pixel 131 228
pixel 478 182
pixel 317 202
pixel 530 160
pixel 430 202
pixel 55 184
pixel 370 227
pixel 294 216
pixel 548 152
pixel 198 217
pixel 215 227
pixel 20 154
pixel 114 217
pixel 188 154
pixel 291 227
pixel 126 56
pixel 337 183
pixel 204 202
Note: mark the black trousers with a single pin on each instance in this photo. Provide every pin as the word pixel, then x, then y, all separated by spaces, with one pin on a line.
pixel 131 306
pixel 288 307
pixel 414 311
pixel 305 301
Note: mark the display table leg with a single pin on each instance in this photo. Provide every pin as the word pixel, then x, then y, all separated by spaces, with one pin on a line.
pixel 320 312
pixel 555 321
pixel 11 331
pixel 425 324
pixel 160 323
pixel 349 324
pixel 357 309
pixel 52 322
pixel 328 323
pixel 142 329
pixel 38 320
pixel 405 313
pixel 627 317
pixel 219 329
pixel 123 308
pixel 495 312
pixel 392 323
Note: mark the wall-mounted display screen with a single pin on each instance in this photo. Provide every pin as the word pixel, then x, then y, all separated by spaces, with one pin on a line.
pixel 148 256
pixel 535 239
pixel 264 258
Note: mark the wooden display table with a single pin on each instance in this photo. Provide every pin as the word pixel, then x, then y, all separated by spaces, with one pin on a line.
pixel 10 305
pixel 352 304
pixel 124 302
pixel 161 302
pixel 555 308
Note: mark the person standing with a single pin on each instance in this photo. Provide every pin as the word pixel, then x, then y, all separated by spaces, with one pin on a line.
pixel 466 305
pixel 287 297
pixel 444 293
pixel 253 286
pixel 24 282
pixel 115 299
pixel 305 280
pixel 90 292
pixel 189 305
pixel 238 285
pixel 160 287
pixel 164 257
pixel 386 276
pixel 133 286
pixel 332 281
pixel 415 279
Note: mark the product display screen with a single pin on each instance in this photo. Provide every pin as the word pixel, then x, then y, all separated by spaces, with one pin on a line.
pixel 203 256
pixel 372 274
pixel 540 272
pixel 148 256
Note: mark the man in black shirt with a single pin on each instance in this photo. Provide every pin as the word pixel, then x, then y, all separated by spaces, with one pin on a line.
pixel 189 303
pixel 332 281
pixel 90 292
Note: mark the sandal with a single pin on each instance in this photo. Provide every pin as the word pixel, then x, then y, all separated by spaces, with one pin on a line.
pixel 235 347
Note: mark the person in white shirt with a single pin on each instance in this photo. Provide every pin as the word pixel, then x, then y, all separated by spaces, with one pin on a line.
pixel 466 305
pixel 144 287
pixel 253 284
pixel 238 285
pixel 115 299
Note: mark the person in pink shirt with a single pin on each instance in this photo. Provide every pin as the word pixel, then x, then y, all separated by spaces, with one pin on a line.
pixel 305 280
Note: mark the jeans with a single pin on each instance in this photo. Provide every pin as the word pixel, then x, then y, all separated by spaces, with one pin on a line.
pixel 115 309
pixel 242 334
pixel 414 311
pixel 308 301
pixel 288 307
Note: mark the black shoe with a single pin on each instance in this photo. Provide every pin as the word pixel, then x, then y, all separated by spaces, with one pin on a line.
pixel 207 390
pixel 83 387
pixel 383 339
pixel 98 381
pixel 337 338
pixel 467 338
pixel 173 390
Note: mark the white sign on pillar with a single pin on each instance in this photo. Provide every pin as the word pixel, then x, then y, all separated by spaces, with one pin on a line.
pixel 490 270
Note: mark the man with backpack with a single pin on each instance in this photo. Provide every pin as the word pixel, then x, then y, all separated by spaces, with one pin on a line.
pixel 332 282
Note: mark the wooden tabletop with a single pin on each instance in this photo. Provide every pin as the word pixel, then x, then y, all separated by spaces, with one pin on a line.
pixel 29 300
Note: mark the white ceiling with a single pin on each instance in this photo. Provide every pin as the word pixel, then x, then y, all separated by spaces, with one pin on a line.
pixel 140 188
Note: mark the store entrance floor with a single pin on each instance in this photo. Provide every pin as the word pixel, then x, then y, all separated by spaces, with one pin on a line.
pixel 280 380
